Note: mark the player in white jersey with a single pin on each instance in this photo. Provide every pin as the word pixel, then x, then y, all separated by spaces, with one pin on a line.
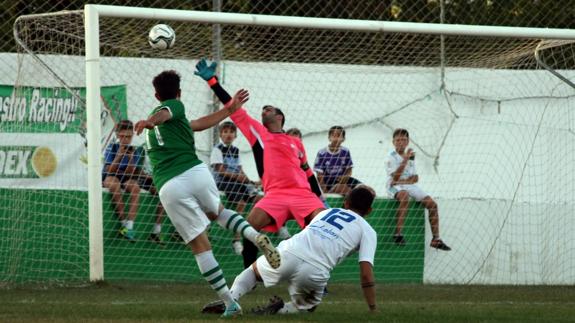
pixel 309 256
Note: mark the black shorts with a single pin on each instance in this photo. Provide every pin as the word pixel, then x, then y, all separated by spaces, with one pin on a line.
pixel 236 191
pixel 147 183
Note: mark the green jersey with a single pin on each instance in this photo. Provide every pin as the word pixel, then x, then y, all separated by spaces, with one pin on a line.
pixel 170 145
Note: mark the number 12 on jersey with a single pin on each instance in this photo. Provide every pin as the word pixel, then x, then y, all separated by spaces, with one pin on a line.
pixel 335 215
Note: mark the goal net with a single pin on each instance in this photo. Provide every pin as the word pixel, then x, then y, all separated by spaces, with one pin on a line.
pixel 492 131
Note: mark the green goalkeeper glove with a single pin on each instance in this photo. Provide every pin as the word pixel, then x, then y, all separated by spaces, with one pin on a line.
pixel 204 71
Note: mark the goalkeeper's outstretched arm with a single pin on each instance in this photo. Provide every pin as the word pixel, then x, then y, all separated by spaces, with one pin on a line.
pixel 242 120
pixel 208 73
pixel 219 91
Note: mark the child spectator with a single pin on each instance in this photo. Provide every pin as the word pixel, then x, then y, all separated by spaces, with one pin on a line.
pixel 294 132
pixel 333 164
pixel 401 184
pixel 123 171
pixel 229 175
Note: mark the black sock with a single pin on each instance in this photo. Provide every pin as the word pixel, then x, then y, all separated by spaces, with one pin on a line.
pixel 250 253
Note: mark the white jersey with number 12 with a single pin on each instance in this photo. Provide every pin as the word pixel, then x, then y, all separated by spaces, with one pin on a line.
pixel 330 237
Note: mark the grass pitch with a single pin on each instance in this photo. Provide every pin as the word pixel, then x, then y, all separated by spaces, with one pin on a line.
pixel 129 302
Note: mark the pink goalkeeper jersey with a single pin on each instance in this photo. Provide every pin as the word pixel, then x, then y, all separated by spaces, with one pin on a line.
pixel 283 155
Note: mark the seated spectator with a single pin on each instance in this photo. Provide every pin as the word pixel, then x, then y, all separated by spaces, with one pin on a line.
pixel 401 184
pixel 122 171
pixel 229 175
pixel 333 164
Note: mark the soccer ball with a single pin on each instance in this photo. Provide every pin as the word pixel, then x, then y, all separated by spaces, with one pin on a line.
pixel 162 36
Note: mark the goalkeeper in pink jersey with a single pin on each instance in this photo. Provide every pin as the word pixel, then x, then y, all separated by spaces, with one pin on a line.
pixel 290 187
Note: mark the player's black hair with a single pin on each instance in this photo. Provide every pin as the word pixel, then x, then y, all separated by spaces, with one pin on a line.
pixel 167 85
pixel 227 125
pixel 360 199
pixel 400 132
pixel 334 129
pixel 124 125
pixel 294 131
pixel 278 111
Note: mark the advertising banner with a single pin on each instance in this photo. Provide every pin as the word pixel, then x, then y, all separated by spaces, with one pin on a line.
pixel 42 134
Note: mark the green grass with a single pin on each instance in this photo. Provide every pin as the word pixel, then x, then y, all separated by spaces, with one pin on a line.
pixel 397 303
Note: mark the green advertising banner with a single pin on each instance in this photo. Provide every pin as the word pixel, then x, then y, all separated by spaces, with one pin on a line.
pixel 54 109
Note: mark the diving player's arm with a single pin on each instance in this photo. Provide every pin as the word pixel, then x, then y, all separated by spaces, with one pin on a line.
pixel 368 284
pixel 367 248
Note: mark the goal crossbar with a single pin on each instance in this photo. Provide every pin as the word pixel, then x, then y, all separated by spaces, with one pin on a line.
pixel 330 23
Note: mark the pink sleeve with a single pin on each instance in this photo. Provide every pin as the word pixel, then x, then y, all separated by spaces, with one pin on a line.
pixel 250 128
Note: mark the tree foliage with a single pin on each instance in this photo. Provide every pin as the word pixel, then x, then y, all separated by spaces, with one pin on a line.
pixel 523 13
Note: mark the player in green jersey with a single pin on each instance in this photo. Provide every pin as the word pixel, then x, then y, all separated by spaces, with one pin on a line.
pixel 186 187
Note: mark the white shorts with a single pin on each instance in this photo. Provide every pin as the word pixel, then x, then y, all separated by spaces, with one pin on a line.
pixel 187 198
pixel 412 189
pixel 306 282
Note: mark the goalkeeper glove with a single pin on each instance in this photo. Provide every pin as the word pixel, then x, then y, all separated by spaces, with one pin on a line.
pixel 204 70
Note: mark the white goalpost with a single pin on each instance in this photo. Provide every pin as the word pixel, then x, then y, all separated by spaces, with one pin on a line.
pixel 485 106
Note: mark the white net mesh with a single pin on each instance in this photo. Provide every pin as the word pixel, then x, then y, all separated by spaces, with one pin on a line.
pixel 493 135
